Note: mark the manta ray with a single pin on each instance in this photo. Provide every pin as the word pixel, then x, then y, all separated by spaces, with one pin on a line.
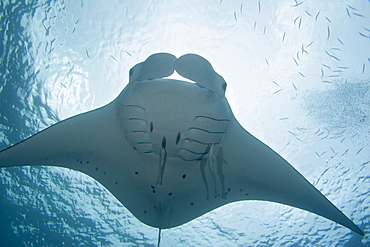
pixel 172 150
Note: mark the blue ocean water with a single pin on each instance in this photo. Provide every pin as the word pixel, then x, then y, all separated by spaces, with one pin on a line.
pixel 298 77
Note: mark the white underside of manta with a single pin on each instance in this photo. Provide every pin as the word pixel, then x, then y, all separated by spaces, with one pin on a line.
pixel 170 150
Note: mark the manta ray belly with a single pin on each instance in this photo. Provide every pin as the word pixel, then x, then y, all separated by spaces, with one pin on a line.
pixel 171 118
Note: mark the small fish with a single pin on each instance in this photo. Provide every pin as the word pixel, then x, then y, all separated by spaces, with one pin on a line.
pixel 337 134
pixel 291 132
pixel 328 33
pixel 322 138
pixel 326 66
pixel 51 42
pixel 297 4
pixel 340 41
pixel 299 23
pixel 317 15
pixel 87 53
pixel 363 35
pixel 345 152
pixel 283 37
pixel 296 62
pixel 301 129
pixel 359 151
pixel 303 49
pixel 332 56
pixel 366 163
pixel 309 44
pixel 276 83
pixel 295 20
pixel 348 12
pixel 259 6
pixel 309 113
pixel 359 15
pixel 235 16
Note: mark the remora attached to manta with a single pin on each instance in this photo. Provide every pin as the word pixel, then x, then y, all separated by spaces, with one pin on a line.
pixel 171 150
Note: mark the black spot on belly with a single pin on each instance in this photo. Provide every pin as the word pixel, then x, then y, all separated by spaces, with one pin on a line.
pixel 116 182
pixel 46 158
pixel 164 142
pixel 144 211
pixel 105 173
pixel 87 162
pixel 151 127
pixel 184 176
pixel 229 189
pixel 136 173
pixel 80 161
pixel 247 194
pixel 96 168
pixel 154 191
pixel 170 194
pixel 192 203
pixel 178 138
